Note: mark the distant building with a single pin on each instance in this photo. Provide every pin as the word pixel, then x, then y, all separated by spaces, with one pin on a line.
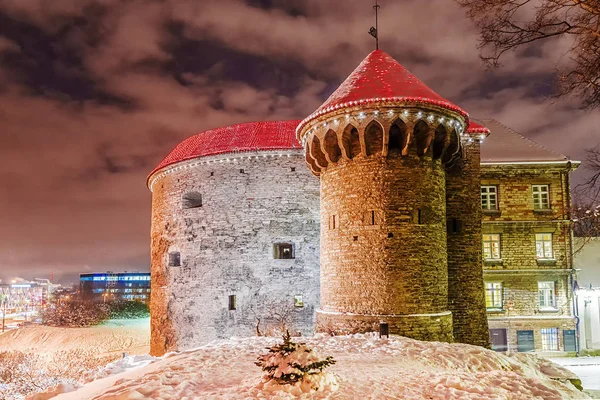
pixel 24 296
pixel 587 261
pixel 110 286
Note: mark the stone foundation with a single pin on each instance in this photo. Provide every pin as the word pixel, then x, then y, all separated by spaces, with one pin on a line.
pixel 430 327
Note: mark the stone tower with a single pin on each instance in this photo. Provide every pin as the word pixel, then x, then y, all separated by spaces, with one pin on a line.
pixel 381 145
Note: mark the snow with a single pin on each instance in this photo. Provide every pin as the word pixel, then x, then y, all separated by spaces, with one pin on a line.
pixel 366 368
pixel 586 368
pixel 131 336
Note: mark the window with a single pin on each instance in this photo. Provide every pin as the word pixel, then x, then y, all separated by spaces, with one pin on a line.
pixel 541 197
pixel 546 295
pixel 489 197
pixel 454 225
pixel 283 251
pixel 549 339
pixel 543 245
pixel 293 169
pixel 491 247
pixel 174 259
pixel 298 301
pixel 493 295
pixel 192 200
pixel 232 302
pixel 241 170
pixel 372 217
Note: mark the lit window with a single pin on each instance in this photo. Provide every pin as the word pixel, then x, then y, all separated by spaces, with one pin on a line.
pixel 550 339
pixel 493 294
pixel 546 293
pixel 174 259
pixel 541 197
pixel 298 301
pixel 232 302
pixel 489 197
pixel 543 245
pixel 283 251
pixel 491 247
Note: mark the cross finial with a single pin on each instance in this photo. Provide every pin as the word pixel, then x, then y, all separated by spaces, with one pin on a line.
pixel 374 29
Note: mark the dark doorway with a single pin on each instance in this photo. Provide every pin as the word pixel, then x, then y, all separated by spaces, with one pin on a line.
pixel 570 340
pixel 525 341
pixel 498 337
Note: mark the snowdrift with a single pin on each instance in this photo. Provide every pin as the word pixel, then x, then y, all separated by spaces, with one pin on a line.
pixel 367 368
pixel 131 336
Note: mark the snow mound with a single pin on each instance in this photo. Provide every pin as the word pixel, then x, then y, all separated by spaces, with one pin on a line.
pixel 366 368
pixel 131 336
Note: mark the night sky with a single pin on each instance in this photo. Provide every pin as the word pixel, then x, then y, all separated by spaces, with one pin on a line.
pixel 93 93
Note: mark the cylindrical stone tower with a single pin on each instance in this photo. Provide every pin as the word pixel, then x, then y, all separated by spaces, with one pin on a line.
pixel 380 145
pixel 235 237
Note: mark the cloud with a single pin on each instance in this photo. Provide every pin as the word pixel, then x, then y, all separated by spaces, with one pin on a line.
pixel 98 91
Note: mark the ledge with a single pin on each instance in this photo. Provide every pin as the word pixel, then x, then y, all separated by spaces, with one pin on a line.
pixel 543 211
pixel 539 271
pixel 548 310
pixel 495 310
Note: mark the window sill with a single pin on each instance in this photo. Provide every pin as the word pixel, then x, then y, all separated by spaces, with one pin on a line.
pixel 546 261
pixel 495 213
pixel 543 211
pixel 548 309
pixel 493 261
pixel 495 310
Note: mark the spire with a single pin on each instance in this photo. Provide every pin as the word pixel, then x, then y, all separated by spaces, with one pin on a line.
pixel 374 31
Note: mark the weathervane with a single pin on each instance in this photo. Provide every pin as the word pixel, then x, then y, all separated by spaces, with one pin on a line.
pixel 373 31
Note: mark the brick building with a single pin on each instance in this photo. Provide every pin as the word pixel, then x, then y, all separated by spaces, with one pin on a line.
pixel 527 243
pixel 395 211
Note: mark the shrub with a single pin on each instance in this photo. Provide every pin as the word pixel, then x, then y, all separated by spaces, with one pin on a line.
pixel 128 310
pixel 24 373
pixel 295 364
pixel 74 313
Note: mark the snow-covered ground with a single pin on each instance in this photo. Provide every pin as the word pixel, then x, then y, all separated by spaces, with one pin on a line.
pixel 367 368
pixel 131 336
pixel 587 368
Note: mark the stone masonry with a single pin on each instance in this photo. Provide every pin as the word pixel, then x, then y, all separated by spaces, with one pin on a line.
pixel 226 248
pixel 519 269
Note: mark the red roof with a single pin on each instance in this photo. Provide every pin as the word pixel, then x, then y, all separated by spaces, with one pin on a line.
pixel 380 78
pixel 251 136
pixel 474 127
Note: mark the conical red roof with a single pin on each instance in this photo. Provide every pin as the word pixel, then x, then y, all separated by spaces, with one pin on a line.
pixel 380 78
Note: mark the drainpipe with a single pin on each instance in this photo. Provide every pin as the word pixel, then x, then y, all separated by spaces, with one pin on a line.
pixel 572 276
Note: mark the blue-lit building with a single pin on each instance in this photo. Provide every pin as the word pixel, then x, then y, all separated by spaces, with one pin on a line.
pixel 111 286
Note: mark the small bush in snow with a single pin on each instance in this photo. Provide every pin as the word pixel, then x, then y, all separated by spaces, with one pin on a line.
pixel 74 313
pixel 295 364
pixel 24 373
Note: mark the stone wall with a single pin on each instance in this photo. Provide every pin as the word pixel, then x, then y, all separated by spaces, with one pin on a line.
pixel 465 275
pixel 226 248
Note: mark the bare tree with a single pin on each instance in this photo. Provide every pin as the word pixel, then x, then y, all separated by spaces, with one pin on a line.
pixel 509 24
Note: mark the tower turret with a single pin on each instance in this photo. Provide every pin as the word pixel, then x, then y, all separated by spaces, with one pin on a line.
pixel 380 145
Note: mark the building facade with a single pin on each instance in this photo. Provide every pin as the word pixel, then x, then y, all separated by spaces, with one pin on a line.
pixel 119 286
pixel 25 296
pixel 369 211
pixel 587 263
pixel 527 244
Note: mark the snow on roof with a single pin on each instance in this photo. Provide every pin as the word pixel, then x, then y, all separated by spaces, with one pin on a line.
pixel 504 145
pixel 250 136
pixel 380 78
